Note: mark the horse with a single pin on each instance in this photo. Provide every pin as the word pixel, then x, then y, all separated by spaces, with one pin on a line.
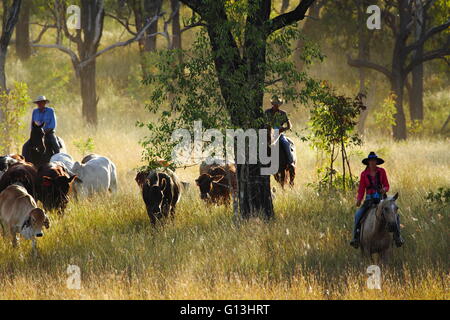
pixel 285 173
pixel 376 230
pixel 36 149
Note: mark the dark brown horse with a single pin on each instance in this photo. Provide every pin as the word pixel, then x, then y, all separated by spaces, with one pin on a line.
pixel 36 150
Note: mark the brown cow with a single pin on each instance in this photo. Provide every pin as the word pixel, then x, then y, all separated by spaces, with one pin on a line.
pixel 23 173
pixel 215 185
pixel 20 214
pixel 53 185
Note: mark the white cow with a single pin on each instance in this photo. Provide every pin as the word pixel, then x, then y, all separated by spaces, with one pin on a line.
pixel 64 160
pixel 97 175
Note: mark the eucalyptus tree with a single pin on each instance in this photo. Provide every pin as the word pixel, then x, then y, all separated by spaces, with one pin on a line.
pixel 240 55
pixel 400 16
pixel 87 39
pixel 10 16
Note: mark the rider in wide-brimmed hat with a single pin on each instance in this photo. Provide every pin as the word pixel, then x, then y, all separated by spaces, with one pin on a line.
pixel 374 184
pixel 279 119
pixel 44 115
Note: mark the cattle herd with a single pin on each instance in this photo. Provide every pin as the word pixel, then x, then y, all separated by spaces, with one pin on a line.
pixel 23 185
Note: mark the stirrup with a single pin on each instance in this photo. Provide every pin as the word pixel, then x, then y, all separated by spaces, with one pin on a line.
pixel 354 243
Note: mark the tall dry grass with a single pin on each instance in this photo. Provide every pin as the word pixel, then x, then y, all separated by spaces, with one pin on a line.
pixel 204 254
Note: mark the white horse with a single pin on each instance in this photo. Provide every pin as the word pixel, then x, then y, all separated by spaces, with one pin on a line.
pixel 376 230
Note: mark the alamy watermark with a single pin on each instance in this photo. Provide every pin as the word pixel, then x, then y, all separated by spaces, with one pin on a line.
pixel 374 21
pixel 230 145
pixel 374 280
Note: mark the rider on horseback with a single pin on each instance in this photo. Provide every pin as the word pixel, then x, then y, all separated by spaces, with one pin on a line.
pixel 278 119
pixel 46 115
pixel 374 184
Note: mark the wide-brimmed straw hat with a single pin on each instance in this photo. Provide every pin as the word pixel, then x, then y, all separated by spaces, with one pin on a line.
pixel 276 100
pixel 41 98
pixel 372 156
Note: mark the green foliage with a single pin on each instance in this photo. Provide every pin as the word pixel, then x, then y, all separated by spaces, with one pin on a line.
pixel 194 89
pixel 332 123
pixel 441 196
pixel 85 146
pixel 385 115
pixel 13 106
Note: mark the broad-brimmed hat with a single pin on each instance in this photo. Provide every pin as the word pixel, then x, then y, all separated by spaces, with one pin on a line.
pixel 41 98
pixel 276 100
pixel 372 156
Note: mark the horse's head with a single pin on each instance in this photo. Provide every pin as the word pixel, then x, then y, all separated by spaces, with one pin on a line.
pixel 37 137
pixel 388 211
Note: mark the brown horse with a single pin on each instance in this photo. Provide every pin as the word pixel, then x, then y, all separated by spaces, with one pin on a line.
pixel 376 230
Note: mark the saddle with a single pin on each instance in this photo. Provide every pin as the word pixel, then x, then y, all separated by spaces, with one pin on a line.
pixel 368 204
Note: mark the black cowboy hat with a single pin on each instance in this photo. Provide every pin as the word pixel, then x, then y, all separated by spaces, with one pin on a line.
pixel 372 156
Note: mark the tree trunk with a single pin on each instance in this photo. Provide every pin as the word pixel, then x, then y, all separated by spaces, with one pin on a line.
pixel 416 94
pixel 2 71
pixel 10 17
pixel 89 92
pixel 23 46
pixel 399 129
pixel 151 9
pixel 176 26
pixel 255 198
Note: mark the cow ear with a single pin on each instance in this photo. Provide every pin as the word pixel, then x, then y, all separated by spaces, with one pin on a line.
pixel 46 222
pixel 395 197
pixel 72 179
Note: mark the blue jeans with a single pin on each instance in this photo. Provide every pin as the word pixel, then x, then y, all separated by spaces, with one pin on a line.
pixel 286 146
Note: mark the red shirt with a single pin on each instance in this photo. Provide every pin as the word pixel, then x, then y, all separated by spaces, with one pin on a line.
pixel 364 183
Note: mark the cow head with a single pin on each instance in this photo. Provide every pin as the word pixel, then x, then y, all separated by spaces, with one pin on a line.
pixel 57 189
pixel 33 226
pixel 205 183
pixel 155 192
pixel 141 178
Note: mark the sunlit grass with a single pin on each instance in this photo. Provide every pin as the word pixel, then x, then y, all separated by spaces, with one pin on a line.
pixel 205 254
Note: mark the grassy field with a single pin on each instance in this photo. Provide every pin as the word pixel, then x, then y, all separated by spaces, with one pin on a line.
pixel 203 254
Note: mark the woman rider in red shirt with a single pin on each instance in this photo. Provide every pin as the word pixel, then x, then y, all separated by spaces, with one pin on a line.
pixel 374 184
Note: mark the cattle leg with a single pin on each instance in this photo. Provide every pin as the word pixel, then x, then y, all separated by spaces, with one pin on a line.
pixel 282 178
pixel 291 175
pixel 14 238
pixel 3 230
pixel 34 247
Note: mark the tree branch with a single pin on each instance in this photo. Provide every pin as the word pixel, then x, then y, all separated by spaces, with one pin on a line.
pixel 358 63
pixel 430 55
pixel 291 17
pixel 126 24
pixel 73 55
pixel 122 44
pixel 428 35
